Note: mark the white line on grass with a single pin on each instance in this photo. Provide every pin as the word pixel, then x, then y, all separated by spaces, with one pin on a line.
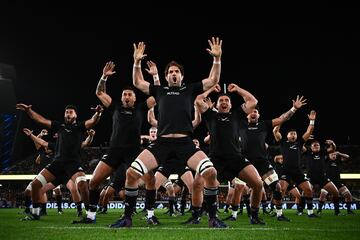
pixel 204 228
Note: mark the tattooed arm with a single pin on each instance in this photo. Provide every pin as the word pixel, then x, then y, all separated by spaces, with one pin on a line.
pixel 298 103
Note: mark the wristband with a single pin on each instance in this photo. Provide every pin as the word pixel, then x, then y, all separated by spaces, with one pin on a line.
pixel 312 122
pixel 156 77
pixel 137 66
pixel 217 62
pixel 293 109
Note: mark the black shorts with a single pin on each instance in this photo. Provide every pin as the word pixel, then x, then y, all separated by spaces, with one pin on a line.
pixel 61 180
pixel 168 150
pixel 229 167
pixel 263 166
pixel 293 175
pixel 63 171
pixel 321 181
pixel 172 166
pixel 117 179
pixel 336 180
pixel 118 155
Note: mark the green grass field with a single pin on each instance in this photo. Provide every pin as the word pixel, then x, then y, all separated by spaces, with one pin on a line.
pixel 54 226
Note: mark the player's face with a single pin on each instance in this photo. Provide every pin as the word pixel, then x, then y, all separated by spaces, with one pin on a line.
pixel 223 104
pixel 280 160
pixel 128 98
pixel 253 117
pixel 315 147
pixel 332 156
pixel 174 77
pixel 70 115
pixel 152 134
pixel 292 136
pixel 196 142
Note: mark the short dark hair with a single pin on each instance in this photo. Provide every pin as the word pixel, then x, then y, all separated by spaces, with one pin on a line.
pixel 290 130
pixel 70 106
pixel 312 141
pixel 173 63
pixel 131 88
pixel 223 94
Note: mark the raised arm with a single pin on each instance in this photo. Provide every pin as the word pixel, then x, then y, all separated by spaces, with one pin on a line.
pixel 151 118
pixel 89 138
pixel 215 51
pixel 90 123
pixel 276 133
pixel 108 70
pixel 197 117
pixel 207 139
pixel 37 140
pixel 153 71
pixel 43 132
pixel 298 103
pixel 203 103
pixel 343 156
pixel 33 115
pixel 310 129
pixel 250 101
pixel 330 145
pixel 138 78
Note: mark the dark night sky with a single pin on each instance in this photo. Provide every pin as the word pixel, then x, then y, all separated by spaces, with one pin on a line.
pixel 59 54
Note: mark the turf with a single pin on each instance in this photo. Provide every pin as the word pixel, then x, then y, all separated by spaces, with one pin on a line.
pixel 54 226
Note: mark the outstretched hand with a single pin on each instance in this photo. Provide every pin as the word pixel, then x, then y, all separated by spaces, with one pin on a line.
pixel 232 87
pixel 299 102
pixel 152 69
pixel 209 102
pixel 215 47
pixel 139 51
pixel 108 70
pixel 27 131
pixel 91 132
pixel 98 108
pixel 23 107
pixel 312 115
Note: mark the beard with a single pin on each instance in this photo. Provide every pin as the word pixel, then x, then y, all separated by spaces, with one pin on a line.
pixel 69 120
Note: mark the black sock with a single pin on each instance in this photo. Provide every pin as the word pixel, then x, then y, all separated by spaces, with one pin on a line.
pixel 43 207
pixel 130 201
pixel 171 205
pixel 302 202
pixel 247 204
pixel 241 208
pixel 254 212
pixel 182 205
pixel 309 203
pixel 321 205
pixel 59 202
pixel 210 198
pixel 195 212
pixel 336 204
pixel 27 203
pixel 150 196
pixel 94 196
pixel 348 206
pixel 78 206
